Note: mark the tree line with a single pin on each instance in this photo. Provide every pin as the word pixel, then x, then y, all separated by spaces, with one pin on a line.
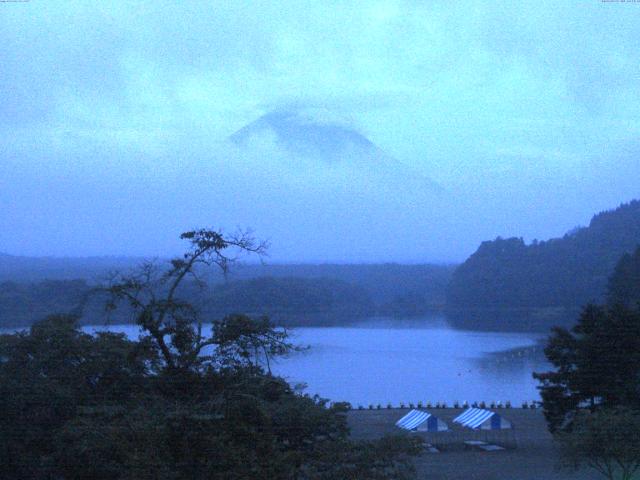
pixel 565 272
pixel 288 301
pixel 289 295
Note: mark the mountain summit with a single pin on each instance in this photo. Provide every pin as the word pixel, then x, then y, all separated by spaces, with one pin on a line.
pixel 302 134
pixel 329 143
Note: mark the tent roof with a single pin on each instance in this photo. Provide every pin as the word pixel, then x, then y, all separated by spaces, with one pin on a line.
pixel 413 419
pixel 473 417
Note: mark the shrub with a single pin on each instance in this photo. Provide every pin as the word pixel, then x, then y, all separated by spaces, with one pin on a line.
pixel 606 440
pixel 342 406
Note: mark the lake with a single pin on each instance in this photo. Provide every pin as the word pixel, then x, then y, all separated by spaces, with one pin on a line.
pixel 389 360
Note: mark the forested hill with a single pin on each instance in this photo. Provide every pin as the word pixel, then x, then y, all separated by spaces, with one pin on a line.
pixel 30 289
pixel 393 287
pixel 562 272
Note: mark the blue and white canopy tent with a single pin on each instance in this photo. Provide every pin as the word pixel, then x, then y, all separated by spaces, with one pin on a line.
pixel 480 419
pixel 419 421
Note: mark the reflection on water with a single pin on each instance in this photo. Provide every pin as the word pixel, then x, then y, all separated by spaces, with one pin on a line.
pixel 425 361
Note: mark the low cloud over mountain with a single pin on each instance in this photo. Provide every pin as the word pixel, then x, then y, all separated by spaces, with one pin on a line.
pixel 318 138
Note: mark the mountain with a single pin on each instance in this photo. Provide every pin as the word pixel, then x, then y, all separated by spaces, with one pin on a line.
pixel 561 273
pixel 320 137
pixel 302 135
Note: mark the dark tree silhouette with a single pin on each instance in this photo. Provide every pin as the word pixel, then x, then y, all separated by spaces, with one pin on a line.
pixel 606 441
pixel 624 283
pixel 153 293
pixel 597 364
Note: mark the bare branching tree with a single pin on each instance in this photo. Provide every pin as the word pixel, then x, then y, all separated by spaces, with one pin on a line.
pixel 152 292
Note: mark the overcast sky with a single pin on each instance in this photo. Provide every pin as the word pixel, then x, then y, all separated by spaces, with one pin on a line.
pixel 114 120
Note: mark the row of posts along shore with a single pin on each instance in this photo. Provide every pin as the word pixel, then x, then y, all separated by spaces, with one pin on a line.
pixel 455 405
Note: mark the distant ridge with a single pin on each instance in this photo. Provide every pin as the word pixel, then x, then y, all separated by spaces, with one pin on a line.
pixel 562 272
pixel 34 269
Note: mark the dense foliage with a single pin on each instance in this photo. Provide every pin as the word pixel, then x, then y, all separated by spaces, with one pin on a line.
pixel 563 272
pixel 178 403
pixel 606 440
pixel 597 364
pixel 105 407
pixel 591 400
pixel 624 284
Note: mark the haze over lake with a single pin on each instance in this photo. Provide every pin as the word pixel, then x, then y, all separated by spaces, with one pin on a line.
pixel 390 360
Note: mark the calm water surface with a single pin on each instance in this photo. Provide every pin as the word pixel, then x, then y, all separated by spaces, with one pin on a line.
pixel 383 361
pixel 370 365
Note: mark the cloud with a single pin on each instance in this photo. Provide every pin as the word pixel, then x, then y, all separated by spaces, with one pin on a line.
pixel 490 99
